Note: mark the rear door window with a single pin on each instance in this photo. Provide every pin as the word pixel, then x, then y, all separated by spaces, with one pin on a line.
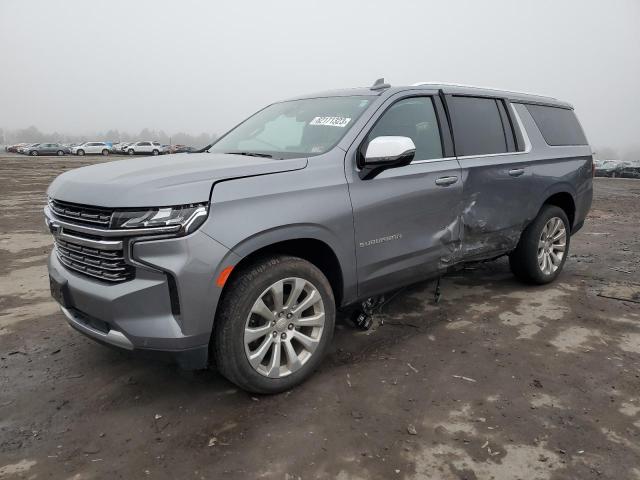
pixel 479 126
pixel 559 126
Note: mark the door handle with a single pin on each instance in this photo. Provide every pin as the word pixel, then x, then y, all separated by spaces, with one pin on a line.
pixel 446 181
pixel 516 172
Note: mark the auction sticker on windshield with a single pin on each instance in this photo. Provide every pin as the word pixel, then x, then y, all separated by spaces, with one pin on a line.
pixel 330 121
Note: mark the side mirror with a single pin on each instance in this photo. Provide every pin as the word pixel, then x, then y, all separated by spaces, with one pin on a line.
pixel 387 152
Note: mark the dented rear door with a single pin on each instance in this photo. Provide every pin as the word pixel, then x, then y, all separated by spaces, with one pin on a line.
pixel 495 173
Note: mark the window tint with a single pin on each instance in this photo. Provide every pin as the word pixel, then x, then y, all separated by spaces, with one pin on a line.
pixel 478 126
pixel 144 144
pixel 559 126
pixel 414 118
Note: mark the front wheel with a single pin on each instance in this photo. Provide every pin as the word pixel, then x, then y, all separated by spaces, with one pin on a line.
pixel 274 324
pixel 155 152
pixel 105 152
pixel 33 153
pixel 60 153
pixel 131 152
pixel 543 247
pixel 80 152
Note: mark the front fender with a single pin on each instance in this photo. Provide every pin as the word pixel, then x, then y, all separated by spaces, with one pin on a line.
pixel 305 231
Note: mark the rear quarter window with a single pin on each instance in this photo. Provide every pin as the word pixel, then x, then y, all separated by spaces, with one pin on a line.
pixel 559 126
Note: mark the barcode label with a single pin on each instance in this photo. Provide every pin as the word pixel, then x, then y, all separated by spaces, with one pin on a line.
pixel 330 121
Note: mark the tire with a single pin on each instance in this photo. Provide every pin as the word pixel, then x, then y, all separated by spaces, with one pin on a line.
pixel 33 153
pixel 105 152
pixel 60 153
pixel 527 262
pixel 131 152
pixel 80 152
pixel 251 284
pixel 155 152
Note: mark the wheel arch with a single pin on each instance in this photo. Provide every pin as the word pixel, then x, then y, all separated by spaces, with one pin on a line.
pixel 566 202
pixel 306 242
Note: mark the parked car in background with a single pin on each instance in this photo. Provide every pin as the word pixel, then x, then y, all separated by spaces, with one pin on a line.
pixel 48 149
pixel 121 148
pixel 607 168
pixel 25 148
pixel 14 148
pixel 630 169
pixel 152 148
pixel 181 149
pixel 91 148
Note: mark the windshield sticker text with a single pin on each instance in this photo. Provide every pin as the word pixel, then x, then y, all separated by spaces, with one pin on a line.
pixel 330 121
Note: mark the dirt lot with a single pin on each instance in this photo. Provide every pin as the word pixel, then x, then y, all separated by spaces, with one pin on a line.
pixel 499 380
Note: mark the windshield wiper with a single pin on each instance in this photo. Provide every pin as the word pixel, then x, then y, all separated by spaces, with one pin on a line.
pixel 204 149
pixel 251 154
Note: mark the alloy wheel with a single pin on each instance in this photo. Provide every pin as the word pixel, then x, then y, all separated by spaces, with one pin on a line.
pixel 284 327
pixel 551 245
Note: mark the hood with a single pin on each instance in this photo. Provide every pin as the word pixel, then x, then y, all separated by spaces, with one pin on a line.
pixel 160 181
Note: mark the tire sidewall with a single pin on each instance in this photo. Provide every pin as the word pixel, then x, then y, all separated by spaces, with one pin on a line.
pixel 241 301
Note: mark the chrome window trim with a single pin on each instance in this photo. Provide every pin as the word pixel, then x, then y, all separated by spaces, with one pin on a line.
pixel 525 137
pixel 432 160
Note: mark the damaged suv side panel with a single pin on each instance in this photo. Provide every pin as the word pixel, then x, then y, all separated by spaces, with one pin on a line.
pixel 240 254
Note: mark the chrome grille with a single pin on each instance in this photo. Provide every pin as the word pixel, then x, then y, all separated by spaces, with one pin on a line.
pixel 108 265
pixel 82 214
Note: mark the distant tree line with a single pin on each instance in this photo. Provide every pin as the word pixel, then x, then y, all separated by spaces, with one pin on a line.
pixel 33 135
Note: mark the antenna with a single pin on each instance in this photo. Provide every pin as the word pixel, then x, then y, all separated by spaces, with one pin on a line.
pixel 379 85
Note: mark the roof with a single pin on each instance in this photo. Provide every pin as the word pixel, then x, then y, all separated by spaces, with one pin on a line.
pixel 452 88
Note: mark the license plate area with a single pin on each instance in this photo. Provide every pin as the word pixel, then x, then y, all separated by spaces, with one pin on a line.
pixel 59 291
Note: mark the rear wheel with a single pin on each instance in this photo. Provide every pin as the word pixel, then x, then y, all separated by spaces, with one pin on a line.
pixel 80 152
pixel 274 324
pixel 543 247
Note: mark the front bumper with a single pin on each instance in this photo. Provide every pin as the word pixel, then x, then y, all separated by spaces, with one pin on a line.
pixel 168 307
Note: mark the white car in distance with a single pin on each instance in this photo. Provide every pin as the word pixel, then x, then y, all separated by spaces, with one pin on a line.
pixel 91 148
pixel 152 148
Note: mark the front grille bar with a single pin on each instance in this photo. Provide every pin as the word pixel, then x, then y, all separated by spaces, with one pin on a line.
pixel 81 213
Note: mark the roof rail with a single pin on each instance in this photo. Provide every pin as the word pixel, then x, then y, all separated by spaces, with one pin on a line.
pixel 418 84
pixel 379 84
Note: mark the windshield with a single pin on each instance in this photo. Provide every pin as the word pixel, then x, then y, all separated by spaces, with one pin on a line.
pixel 295 128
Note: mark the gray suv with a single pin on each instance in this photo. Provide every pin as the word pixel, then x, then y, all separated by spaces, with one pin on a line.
pixel 238 256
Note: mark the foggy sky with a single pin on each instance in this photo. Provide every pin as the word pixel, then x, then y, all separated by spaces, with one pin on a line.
pixel 81 66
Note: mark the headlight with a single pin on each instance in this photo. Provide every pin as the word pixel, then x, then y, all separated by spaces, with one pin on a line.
pixel 185 218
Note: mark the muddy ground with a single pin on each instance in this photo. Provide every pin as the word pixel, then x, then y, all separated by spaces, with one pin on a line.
pixel 499 380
